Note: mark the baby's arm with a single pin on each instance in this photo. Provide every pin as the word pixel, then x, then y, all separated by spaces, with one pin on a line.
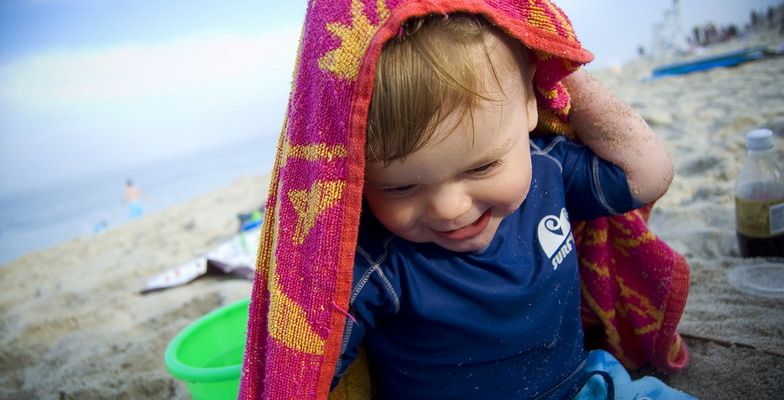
pixel 616 133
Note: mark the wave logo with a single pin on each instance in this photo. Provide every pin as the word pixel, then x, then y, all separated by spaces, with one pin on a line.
pixel 555 237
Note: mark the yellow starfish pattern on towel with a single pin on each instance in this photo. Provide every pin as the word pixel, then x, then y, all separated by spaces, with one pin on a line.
pixel 322 195
pixel 643 308
pixel 309 204
pixel 289 324
pixel 622 243
pixel 345 60
pixel 633 301
pixel 315 152
pixel 288 321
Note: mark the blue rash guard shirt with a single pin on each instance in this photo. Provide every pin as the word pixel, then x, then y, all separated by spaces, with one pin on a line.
pixel 500 323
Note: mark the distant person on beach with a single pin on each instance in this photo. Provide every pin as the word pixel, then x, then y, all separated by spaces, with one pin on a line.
pixel 133 198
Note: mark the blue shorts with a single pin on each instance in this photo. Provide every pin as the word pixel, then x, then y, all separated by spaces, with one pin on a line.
pixel 135 209
pixel 610 380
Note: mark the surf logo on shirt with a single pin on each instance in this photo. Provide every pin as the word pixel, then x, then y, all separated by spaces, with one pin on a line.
pixel 555 237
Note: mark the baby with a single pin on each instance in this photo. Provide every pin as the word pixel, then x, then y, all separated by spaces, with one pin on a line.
pixel 466 283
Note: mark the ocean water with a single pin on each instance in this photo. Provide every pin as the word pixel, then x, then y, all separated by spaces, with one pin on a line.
pixel 35 219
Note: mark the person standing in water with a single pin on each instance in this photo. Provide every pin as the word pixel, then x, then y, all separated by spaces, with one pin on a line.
pixel 132 197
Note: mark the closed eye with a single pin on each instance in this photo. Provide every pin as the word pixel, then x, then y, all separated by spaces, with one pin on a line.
pixel 487 167
pixel 399 190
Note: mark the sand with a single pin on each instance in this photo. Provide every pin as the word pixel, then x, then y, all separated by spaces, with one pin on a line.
pixel 74 326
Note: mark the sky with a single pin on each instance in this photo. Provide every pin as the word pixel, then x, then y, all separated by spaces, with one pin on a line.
pixel 87 85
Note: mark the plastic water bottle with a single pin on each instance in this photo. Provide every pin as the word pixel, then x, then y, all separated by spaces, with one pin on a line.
pixel 759 198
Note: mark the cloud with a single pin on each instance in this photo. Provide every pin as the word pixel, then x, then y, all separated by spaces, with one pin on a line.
pixel 67 113
pixel 135 72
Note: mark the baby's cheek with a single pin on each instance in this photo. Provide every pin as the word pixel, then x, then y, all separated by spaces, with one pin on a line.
pixel 515 190
pixel 397 218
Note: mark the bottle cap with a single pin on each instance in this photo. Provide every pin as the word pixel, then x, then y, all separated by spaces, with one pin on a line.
pixel 759 139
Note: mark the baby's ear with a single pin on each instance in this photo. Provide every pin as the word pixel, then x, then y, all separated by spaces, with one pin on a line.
pixel 531 108
pixel 528 70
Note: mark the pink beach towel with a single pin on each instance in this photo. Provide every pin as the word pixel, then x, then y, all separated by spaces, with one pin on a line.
pixel 634 285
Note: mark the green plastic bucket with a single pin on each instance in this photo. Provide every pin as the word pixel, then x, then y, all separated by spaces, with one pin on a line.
pixel 207 354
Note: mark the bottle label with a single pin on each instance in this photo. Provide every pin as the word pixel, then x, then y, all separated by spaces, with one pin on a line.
pixel 777 219
pixel 760 219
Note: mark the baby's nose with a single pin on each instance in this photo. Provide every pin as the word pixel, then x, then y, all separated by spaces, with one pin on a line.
pixel 448 203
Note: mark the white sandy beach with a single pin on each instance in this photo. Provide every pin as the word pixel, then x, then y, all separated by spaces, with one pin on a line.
pixel 74 326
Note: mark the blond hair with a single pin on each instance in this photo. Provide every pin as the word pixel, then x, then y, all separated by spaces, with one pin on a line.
pixel 435 67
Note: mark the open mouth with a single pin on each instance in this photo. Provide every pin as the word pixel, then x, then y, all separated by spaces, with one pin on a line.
pixel 467 231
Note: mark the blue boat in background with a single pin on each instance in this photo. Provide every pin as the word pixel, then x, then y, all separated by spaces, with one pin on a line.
pixel 715 61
